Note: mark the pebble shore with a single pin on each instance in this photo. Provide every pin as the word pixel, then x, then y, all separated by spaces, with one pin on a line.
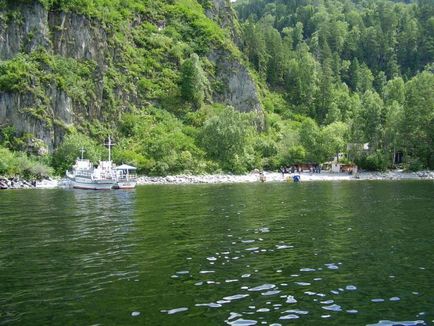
pixel 277 177
pixel 228 178
pixel 18 183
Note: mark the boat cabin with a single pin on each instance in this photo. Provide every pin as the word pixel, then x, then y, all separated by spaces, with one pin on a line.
pixel 125 172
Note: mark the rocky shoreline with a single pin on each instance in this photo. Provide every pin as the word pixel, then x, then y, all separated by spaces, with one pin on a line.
pixel 278 177
pixel 18 183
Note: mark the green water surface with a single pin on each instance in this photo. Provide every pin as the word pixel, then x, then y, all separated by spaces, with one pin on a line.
pixel 318 253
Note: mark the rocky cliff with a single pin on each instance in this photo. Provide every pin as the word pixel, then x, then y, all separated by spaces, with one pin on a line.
pixel 222 12
pixel 75 70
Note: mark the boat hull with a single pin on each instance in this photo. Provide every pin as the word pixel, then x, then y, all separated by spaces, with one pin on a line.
pixel 89 184
pixel 125 185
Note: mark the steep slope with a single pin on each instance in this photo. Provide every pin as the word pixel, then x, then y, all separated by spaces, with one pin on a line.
pixel 81 65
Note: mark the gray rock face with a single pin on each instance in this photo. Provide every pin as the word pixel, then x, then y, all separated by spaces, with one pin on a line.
pixel 28 27
pixel 25 30
pixel 77 37
pixel 222 12
pixel 14 110
pixel 237 87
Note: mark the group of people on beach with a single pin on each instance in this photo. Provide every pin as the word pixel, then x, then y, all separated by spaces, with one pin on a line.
pixel 312 168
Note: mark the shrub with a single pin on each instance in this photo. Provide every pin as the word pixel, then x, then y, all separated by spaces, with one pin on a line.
pixel 226 137
pixel 12 164
pixel 66 154
pixel 376 161
pixel 414 164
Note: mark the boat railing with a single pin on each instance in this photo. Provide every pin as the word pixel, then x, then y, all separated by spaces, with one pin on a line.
pixel 82 173
pixel 126 177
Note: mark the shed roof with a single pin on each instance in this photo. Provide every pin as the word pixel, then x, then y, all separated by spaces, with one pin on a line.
pixel 125 167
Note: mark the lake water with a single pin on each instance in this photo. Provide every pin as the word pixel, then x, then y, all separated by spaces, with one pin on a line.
pixel 330 253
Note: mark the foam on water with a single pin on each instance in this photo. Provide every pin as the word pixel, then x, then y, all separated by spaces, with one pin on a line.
pixel 175 311
pixel 290 316
pixel 400 323
pixel 291 299
pixel 307 269
pixel 209 305
pixel 327 302
pixel 234 315
pixel 243 322
pixel 235 297
pixel 295 311
pixel 351 288
pixel 331 266
pixel 182 272
pixel 302 283
pixel 283 247
pixel 263 287
pixel 333 307
pixel 377 300
pixel 263 310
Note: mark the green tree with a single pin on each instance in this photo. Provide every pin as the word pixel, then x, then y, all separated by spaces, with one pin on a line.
pixel 69 150
pixel 373 118
pixel 419 118
pixel 394 91
pixel 193 81
pixel 275 57
pixel 392 129
pixel 254 46
pixel 334 139
pixel 226 139
pixel 311 140
pixel 301 80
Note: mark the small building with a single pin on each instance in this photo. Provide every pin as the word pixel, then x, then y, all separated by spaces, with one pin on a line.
pixel 344 168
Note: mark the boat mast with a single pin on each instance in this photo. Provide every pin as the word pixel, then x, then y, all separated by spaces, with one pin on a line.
pixel 82 152
pixel 109 144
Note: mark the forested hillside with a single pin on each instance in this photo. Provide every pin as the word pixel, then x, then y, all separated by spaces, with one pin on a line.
pixel 364 67
pixel 186 86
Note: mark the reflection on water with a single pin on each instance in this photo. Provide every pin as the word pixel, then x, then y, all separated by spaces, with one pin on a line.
pixel 339 253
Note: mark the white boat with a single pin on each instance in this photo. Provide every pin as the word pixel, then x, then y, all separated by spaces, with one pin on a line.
pixel 105 176
pixel 85 176
pixel 126 177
